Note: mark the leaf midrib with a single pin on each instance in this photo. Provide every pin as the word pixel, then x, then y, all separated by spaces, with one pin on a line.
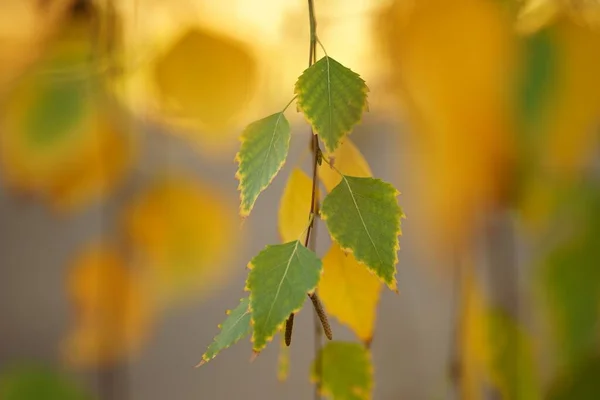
pixel 361 218
pixel 281 282
pixel 262 167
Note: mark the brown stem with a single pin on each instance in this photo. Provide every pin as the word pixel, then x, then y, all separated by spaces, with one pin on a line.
pixel 289 325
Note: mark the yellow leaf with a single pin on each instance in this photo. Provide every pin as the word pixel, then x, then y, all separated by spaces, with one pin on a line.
pixel 348 159
pixel 25 28
pixel 573 114
pixel 537 14
pixel 113 310
pixel 206 76
pixel 349 292
pixel 184 231
pixel 460 113
pixel 294 207
pixel 472 341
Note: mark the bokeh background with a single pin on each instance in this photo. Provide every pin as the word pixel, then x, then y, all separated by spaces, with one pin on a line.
pixel 120 241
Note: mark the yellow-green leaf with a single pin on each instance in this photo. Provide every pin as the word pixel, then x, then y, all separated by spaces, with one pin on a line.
pixel 494 349
pixel 348 160
pixel 344 371
pixel 294 207
pixel 580 383
pixel 363 216
pixel 265 146
pixel 235 327
pixel 332 98
pixel 279 279
pixel 512 366
pixel 34 382
pixel 349 292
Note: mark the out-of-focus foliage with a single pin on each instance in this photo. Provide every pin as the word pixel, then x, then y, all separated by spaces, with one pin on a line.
pixel 29 382
pixel 113 308
pixel 179 230
pixel 25 27
pixel 569 279
pixel 581 383
pixel 454 86
pixel 62 139
pixel 344 371
pixel 494 349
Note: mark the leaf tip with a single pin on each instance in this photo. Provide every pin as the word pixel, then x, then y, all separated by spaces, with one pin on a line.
pixel 254 355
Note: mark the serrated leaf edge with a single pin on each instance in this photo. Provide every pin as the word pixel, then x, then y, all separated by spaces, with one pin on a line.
pixel 246 212
pixel 393 285
pixel 323 392
pixel 281 326
pixel 206 359
pixel 365 106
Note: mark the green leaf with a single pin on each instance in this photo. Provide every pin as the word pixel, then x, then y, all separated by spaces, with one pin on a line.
pixel 363 216
pixel 38 383
pixel 344 371
pixel 236 326
pixel 512 360
pixel 279 279
pixel 265 146
pixel 581 383
pixel 333 99
pixel 570 279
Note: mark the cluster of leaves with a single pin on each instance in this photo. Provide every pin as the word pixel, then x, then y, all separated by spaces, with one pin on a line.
pixel 526 150
pixel 362 216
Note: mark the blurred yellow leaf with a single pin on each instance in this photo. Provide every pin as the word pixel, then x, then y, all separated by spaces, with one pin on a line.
pixel 113 310
pixel 295 206
pixel 348 159
pixel 494 349
pixel 569 118
pixel 25 28
pixel 349 292
pixel 61 140
pixel 207 77
pixel 537 14
pixel 184 232
pixel 456 103
pixel 472 341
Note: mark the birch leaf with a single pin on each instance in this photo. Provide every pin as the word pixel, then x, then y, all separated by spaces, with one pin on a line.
pixel 349 292
pixel 279 279
pixel 265 146
pixel 294 208
pixel 363 216
pixel 344 370
pixel 235 327
pixel 332 98
pixel 347 159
